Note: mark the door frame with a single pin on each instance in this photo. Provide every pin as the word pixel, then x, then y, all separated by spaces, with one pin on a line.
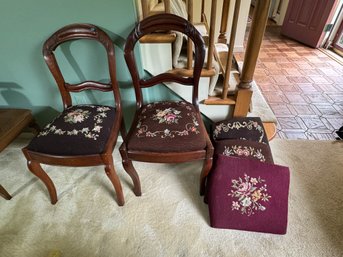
pixel 339 32
pixel 336 21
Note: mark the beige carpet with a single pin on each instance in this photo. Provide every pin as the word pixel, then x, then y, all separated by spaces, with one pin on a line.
pixel 170 219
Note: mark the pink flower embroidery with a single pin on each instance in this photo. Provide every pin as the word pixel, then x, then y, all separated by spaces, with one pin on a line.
pixel 244 188
pixel 169 116
pixel 76 116
pixel 249 193
pixel 235 205
pixel 244 150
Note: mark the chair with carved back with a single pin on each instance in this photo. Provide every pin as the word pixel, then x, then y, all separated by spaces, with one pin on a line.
pixel 85 134
pixel 166 131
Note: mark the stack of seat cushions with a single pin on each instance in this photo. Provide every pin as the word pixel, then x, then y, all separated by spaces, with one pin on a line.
pixel 245 189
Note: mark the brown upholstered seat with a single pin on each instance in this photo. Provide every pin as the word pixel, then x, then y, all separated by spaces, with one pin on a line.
pixel 82 135
pixel 246 128
pixel 167 127
pixel 244 149
pixel 78 130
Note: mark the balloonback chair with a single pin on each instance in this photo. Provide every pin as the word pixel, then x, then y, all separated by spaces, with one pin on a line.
pixel 166 131
pixel 82 135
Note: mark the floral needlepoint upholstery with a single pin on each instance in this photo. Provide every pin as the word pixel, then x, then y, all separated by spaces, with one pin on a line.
pixel 78 130
pixel 246 128
pixel 247 194
pixel 167 127
pixel 244 149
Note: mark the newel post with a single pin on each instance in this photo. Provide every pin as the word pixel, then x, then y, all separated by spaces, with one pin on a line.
pixel 257 29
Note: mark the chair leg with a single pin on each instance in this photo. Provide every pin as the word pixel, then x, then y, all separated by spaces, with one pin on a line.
pixel 37 170
pixel 127 164
pixel 4 193
pixel 128 167
pixel 112 175
pixel 205 170
pixel 34 126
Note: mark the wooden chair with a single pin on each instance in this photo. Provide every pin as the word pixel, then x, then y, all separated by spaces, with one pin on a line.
pixel 12 123
pixel 166 132
pixel 82 135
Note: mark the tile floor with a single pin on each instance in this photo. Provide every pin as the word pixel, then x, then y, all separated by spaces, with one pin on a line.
pixel 302 85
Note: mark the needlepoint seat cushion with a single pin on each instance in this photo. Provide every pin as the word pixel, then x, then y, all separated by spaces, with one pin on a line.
pixel 244 149
pixel 78 130
pixel 246 194
pixel 246 128
pixel 168 127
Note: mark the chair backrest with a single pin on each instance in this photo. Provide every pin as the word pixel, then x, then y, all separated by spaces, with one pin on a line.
pixel 75 32
pixel 165 22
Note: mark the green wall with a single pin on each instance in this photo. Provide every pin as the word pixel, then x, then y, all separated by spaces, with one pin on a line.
pixel 25 81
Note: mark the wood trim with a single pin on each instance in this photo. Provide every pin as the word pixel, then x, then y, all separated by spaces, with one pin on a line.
pixel 145 8
pixel 223 25
pixel 211 34
pixel 270 129
pixel 332 55
pixel 257 29
pixel 167 6
pixel 12 122
pixel 231 47
pixel 212 100
pixel 72 161
pixel 189 42
pixel 243 100
pixel 337 37
pixel 158 38
pixel 189 73
pixel 166 157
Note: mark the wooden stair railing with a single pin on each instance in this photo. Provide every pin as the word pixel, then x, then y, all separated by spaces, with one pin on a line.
pixel 167 37
pixel 224 58
pixel 170 37
pixel 241 97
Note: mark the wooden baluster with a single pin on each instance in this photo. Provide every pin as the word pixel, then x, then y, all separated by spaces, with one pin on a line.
pixel 258 25
pixel 167 6
pixel 223 25
pixel 145 8
pixel 231 47
pixel 211 35
pixel 257 29
pixel 189 43
pixel 202 10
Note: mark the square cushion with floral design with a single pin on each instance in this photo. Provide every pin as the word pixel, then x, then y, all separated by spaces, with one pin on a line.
pixel 244 149
pixel 168 127
pixel 78 130
pixel 250 195
pixel 246 128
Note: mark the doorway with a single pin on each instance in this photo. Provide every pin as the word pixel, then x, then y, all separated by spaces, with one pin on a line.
pixel 337 43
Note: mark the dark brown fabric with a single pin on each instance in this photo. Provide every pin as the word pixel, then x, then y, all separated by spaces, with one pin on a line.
pixel 247 128
pixel 78 130
pixel 168 127
pixel 244 149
